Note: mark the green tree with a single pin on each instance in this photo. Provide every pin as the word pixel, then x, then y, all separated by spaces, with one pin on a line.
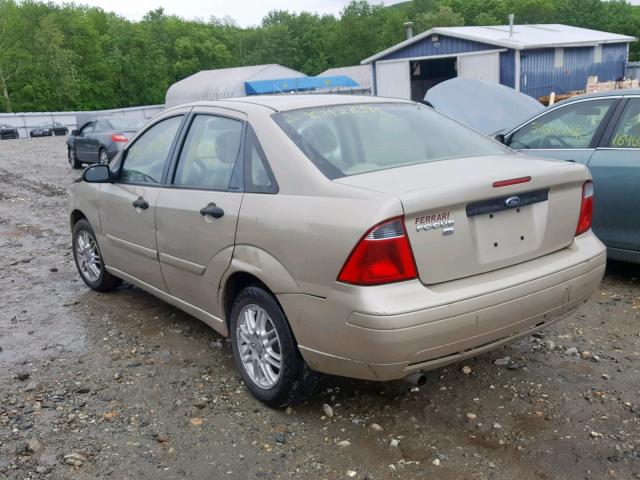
pixel 443 17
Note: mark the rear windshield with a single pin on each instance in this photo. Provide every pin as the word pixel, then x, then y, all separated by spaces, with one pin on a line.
pixel 351 139
pixel 126 124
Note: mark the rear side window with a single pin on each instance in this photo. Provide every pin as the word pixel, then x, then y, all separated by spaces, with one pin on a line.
pixel 351 139
pixel 258 175
pixel 627 133
pixel 571 126
pixel 209 156
pixel 146 158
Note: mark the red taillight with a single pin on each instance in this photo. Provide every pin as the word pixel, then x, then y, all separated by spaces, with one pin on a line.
pixel 117 137
pixel 383 255
pixel 586 209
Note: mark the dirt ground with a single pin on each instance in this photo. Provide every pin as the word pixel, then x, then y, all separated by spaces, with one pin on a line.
pixel 124 386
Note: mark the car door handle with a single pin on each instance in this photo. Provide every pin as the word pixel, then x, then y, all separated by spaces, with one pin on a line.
pixel 213 210
pixel 141 203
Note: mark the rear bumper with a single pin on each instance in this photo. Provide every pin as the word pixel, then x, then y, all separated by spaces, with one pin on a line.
pixel 388 332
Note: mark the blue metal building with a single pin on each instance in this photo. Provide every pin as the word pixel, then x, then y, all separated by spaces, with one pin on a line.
pixel 533 59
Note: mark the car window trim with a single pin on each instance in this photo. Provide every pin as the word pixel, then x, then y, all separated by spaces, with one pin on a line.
pixel 248 185
pixel 612 114
pixel 553 109
pixel 614 123
pixel 162 181
pixel 238 168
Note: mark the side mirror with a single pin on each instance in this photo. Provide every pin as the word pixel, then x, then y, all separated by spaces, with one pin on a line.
pixel 97 174
pixel 500 138
pixel 75 132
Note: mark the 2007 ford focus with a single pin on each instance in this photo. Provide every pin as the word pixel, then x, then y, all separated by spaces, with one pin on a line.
pixel 357 236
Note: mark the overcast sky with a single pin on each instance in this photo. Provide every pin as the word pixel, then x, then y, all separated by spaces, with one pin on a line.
pixel 244 12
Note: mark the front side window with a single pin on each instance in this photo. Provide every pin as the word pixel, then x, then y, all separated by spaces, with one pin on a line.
pixel 351 139
pixel 627 133
pixel 571 126
pixel 145 159
pixel 210 153
pixel 88 128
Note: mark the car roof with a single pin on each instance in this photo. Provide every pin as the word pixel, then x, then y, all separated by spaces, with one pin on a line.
pixel 611 93
pixel 285 102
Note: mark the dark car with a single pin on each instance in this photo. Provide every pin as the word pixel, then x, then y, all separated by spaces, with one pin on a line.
pixel 7 131
pixel 46 129
pixel 98 140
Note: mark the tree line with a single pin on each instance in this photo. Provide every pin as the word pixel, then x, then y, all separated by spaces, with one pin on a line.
pixel 73 57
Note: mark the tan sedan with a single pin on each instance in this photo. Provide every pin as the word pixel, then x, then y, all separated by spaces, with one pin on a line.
pixel 357 236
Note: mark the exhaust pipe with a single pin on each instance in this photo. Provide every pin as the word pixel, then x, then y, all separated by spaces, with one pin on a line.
pixel 416 378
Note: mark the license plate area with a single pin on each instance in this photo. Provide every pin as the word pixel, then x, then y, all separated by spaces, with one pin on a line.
pixel 507 234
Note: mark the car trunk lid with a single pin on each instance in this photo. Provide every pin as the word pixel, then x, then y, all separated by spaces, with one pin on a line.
pixel 460 224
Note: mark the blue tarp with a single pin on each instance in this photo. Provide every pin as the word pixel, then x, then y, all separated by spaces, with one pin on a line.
pixel 284 85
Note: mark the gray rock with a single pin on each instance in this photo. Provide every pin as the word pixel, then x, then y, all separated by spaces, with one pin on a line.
pixel 502 362
pixel 22 376
pixel 74 459
pixel 34 445
pixel 571 351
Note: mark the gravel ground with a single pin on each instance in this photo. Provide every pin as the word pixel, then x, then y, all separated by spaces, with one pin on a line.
pixel 124 386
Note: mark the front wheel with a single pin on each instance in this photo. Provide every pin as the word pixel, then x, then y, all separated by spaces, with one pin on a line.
pixel 88 258
pixel 75 164
pixel 265 351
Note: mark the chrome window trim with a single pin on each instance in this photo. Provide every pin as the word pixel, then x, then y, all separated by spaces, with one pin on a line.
pixel 561 105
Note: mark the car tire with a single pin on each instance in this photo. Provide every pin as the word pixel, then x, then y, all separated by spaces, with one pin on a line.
pixel 31 135
pixel 103 157
pixel 88 259
pixel 75 164
pixel 295 380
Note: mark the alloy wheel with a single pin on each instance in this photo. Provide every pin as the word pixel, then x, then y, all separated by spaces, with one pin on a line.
pixel 88 256
pixel 259 346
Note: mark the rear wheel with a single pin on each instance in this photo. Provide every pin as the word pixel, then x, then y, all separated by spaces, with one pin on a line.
pixel 88 258
pixel 265 351
pixel 72 158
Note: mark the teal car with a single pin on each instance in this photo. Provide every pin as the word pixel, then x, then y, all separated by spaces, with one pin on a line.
pixel 601 131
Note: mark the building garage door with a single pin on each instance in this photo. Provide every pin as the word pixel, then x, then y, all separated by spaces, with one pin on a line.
pixel 393 79
pixel 485 66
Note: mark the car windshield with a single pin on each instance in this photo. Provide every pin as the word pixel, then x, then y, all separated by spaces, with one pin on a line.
pixel 351 139
pixel 126 124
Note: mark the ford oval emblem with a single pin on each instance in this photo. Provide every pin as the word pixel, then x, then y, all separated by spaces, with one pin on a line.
pixel 512 202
